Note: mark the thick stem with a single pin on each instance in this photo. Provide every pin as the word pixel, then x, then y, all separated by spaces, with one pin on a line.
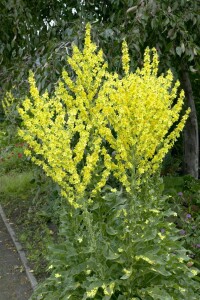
pixel 92 243
pixel 88 223
pixel 191 136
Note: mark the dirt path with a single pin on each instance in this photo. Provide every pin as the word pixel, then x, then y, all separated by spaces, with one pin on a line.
pixel 14 284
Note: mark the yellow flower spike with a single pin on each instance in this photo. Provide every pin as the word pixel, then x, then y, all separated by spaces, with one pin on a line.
pixel 146 71
pixel 88 43
pixel 155 62
pixel 100 120
pixel 125 58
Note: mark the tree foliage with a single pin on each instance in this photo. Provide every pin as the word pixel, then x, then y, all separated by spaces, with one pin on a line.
pixel 36 31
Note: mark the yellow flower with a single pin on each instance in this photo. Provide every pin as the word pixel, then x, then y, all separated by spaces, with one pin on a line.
pixel 92 293
pixel 100 121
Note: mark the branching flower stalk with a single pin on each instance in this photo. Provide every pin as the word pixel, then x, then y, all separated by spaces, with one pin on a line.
pixel 96 114
pixel 101 128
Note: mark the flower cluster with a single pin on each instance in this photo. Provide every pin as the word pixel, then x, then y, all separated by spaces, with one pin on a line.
pixel 74 133
pixel 142 111
pixel 7 103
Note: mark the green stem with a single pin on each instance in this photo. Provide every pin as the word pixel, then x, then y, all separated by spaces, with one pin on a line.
pixel 88 223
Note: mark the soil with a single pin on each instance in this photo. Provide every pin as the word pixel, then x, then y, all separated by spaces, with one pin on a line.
pixel 14 284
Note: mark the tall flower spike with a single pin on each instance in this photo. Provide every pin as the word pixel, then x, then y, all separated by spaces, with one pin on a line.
pixel 125 58
pixel 155 62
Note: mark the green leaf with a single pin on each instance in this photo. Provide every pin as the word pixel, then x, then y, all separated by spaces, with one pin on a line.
pixel 161 270
pixel 20 52
pixel 110 230
pixel 182 47
pixel 127 274
pixel 158 293
pixel 179 51
pixel 110 255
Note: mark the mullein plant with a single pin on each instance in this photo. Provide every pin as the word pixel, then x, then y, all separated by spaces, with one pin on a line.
pixel 102 137
pixel 10 107
pixel 7 103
